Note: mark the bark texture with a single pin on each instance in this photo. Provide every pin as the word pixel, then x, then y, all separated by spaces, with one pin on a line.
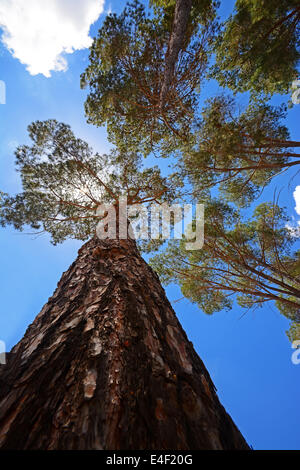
pixel 180 23
pixel 107 365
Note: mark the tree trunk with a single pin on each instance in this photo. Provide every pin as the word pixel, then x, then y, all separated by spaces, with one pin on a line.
pixel 180 23
pixel 106 365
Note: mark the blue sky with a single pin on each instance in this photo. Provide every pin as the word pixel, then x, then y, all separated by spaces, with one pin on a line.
pixel 248 356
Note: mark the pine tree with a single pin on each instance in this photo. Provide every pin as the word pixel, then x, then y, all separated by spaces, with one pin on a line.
pixel 105 364
pixel 145 72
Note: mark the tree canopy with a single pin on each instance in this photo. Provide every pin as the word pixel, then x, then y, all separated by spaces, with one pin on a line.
pixel 239 151
pixel 144 74
pixel 252 259
pixel 259 47
pixel 64 182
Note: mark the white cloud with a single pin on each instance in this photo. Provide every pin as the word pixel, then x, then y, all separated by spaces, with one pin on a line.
pixel 294 226
pixel 296 195
pixel 38 32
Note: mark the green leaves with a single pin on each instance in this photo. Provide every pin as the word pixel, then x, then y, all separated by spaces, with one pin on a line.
pixel 64 182
pixel 144 77
pixel 240 152
pixel 259 48
pixel 127 70
pixel 252 260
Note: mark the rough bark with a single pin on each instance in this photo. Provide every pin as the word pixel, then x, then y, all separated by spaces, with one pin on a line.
pixel 107 365
pixel 180 23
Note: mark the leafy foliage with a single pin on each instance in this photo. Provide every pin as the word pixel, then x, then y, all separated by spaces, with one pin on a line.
pixel 144 78
pixel 294 332
pixel 126 73
pixel 64 183
pixel 259 48
pixel 239 152
pixel 252 260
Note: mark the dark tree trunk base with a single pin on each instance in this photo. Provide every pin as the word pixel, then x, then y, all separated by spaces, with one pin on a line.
pixel 106 365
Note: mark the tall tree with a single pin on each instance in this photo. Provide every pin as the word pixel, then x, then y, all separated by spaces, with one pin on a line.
pixel 144 72
pixel 259 48
pixel 105 364
pixel 143 82
pixel 251 260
